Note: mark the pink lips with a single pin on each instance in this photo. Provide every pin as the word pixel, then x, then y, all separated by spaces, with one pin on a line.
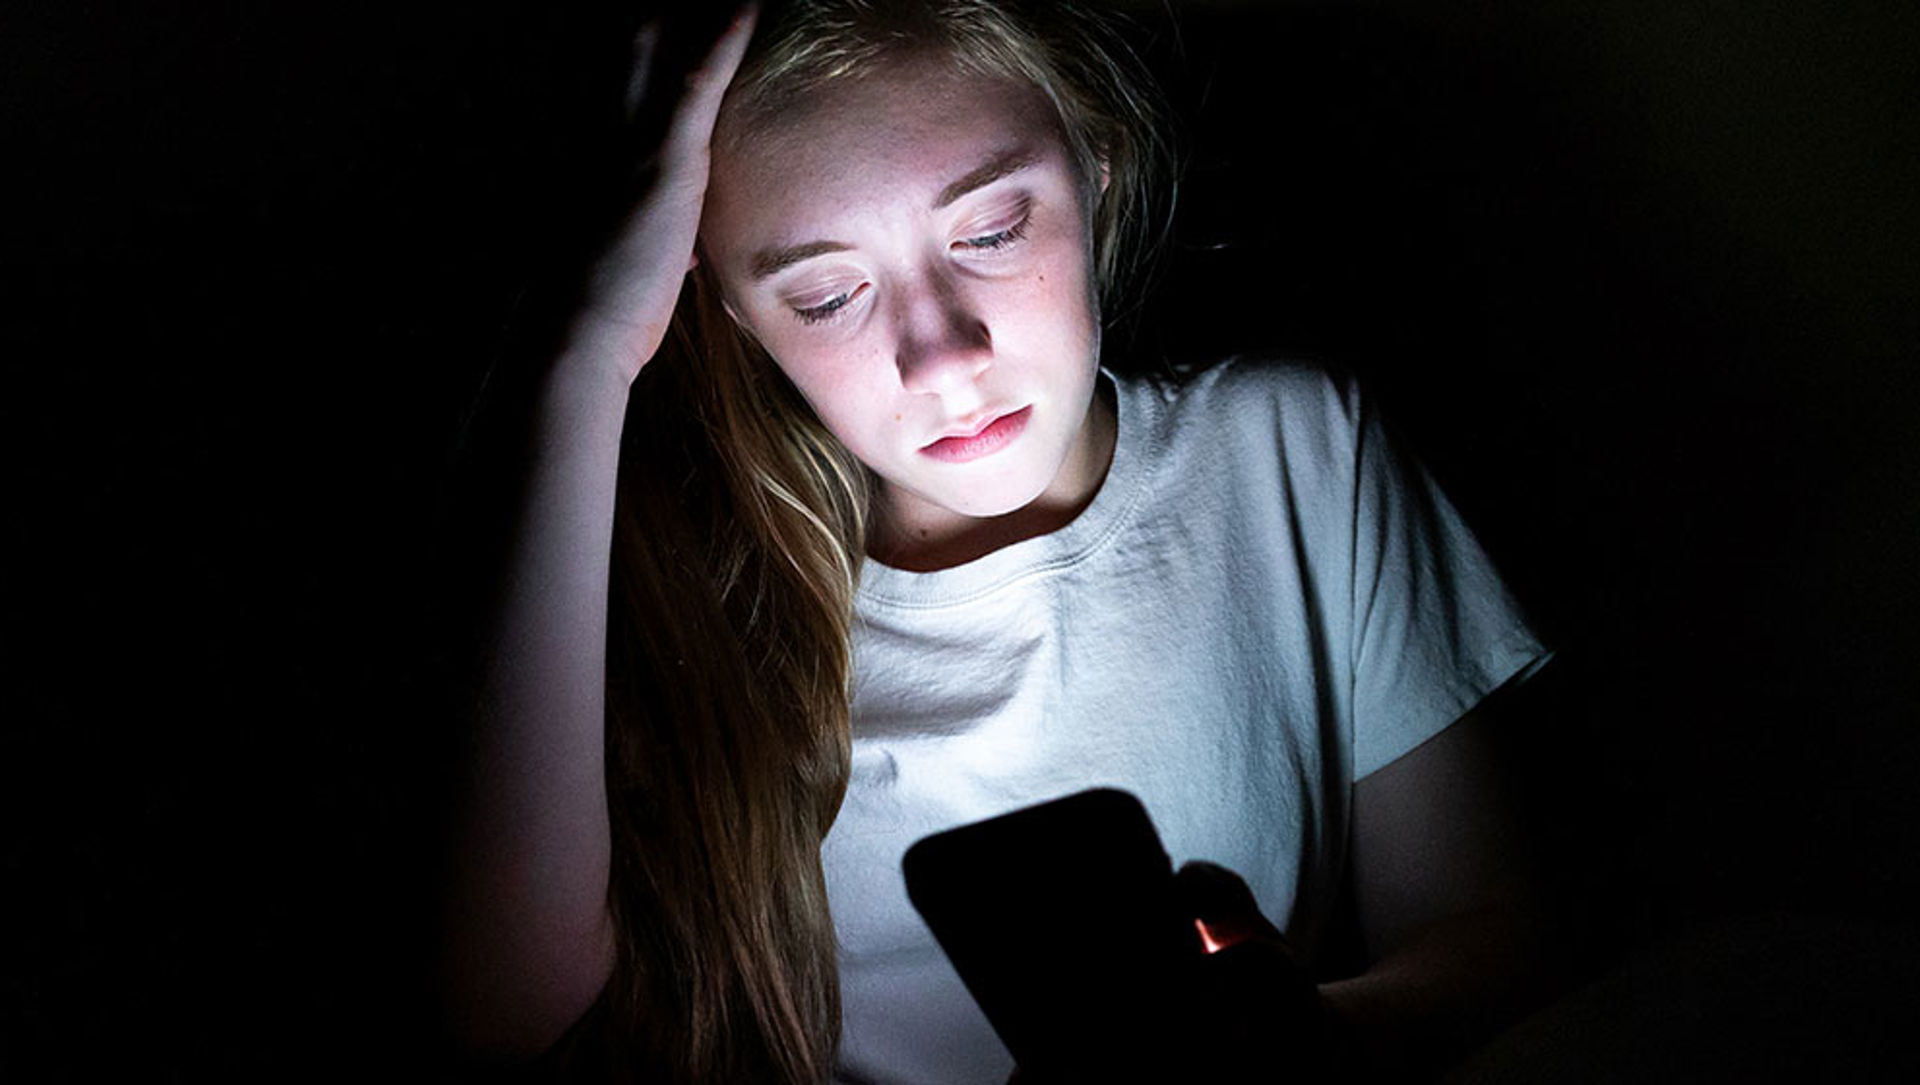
pixel 994 436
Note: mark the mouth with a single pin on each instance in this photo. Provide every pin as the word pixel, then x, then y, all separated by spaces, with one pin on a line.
pixel 990 435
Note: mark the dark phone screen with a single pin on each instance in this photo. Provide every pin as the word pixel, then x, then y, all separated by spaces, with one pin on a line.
pixel 1061 920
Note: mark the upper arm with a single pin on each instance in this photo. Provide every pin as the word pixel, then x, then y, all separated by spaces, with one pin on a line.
pixel 1433 836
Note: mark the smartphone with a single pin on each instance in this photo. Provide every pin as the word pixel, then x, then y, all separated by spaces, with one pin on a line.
pixel 1061 920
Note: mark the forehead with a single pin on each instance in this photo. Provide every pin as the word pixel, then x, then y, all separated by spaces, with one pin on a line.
pixel 900 134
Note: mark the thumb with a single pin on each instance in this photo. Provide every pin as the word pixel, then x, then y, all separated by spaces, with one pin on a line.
pixel 1223 904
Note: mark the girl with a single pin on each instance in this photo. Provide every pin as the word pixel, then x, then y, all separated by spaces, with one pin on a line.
pixel 854 539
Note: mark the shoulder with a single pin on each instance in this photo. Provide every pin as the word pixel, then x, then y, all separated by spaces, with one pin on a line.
pixel 1309 406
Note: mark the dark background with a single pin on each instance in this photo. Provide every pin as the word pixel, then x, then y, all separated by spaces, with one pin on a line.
pixel 1638 278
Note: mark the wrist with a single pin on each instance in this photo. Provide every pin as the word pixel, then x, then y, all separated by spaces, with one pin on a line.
pixel 584 392
pixel 598 359
pixel 601 348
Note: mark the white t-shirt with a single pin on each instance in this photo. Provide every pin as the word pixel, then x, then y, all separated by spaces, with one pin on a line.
pixel 1263 603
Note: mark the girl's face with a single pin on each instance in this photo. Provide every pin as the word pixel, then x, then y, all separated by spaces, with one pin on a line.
pixel 914 251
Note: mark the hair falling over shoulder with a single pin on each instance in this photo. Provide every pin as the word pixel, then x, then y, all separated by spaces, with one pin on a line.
pixel 738 534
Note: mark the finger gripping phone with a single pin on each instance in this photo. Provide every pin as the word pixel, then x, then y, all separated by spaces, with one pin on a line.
pixel 1061 920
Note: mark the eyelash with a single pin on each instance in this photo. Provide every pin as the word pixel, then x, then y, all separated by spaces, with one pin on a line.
pixel 831 308
pixel 826 310
pixel 1002 239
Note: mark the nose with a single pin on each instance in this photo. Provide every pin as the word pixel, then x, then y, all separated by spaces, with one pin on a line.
pixel 941 343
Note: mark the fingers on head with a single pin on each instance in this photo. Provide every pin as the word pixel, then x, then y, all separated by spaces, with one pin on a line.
pixel 709 81
pixel 645 42
pixel 707 84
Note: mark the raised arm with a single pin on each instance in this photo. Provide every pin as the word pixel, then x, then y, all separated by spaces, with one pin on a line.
pixel 529 943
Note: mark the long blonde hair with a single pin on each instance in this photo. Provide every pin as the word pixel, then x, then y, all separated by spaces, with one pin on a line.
pixel 738 537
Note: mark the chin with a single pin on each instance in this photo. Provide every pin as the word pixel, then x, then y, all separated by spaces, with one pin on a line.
pixel 1000 496
pixel 989 506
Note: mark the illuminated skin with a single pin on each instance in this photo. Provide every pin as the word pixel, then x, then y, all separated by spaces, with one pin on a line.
pixel 913 249
pixel 903 318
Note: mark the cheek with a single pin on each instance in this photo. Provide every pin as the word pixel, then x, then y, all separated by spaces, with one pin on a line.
pixel 1050 304
pixel 1063 281
pixel 843 392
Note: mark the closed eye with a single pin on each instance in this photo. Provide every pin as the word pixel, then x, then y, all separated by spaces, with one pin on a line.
pixel 828 309
pixel 1002 239
pixel 833 306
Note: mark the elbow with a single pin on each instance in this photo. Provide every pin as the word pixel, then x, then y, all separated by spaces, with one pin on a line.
pixel 506 1013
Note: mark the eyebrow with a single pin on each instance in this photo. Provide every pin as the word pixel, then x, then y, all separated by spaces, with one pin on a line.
pixel 1001 164
pixel 773 261
pixel 1011 160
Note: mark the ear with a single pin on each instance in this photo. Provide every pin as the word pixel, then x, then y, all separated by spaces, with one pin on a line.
pixel 1106 177
pixel 712 282
pixel 740 325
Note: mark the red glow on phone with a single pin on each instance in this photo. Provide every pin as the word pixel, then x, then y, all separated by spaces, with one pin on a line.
pixel 1207 941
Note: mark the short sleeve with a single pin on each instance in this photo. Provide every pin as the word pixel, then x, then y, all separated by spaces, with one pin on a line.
pixel 1434 629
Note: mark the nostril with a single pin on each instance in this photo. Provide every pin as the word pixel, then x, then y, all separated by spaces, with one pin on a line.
pixel 937 366
pixel 957 352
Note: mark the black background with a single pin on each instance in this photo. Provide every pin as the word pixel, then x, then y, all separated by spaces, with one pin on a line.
pixel 1638 278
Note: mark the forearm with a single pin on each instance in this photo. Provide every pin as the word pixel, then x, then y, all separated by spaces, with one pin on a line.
pixel 530 941
pixel 1443 990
